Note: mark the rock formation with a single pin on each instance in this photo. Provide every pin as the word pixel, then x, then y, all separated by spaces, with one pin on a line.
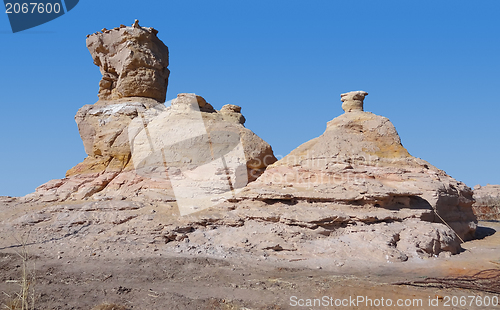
pixel 208 155
pixel 109 133
pixel 358 178
pixel 134 62
pixel 487 202
pixel 353 101
pixel 353 193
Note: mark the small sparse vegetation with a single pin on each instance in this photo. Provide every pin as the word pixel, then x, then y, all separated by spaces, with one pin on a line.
pixel 24 298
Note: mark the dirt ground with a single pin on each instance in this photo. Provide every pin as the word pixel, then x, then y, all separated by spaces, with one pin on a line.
pixel 157 279
pixel 80 265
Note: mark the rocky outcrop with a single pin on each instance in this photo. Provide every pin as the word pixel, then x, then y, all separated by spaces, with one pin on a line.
pixel 133 62
pixel 137 148
pixel 208 156
pixel 487 202
pixel 360 163
pixel 353 192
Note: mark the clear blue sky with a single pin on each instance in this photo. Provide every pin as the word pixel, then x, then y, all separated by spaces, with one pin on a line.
pixel 431 67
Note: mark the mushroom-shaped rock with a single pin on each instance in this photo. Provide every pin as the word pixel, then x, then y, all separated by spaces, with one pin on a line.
pixel 353 101
pixel 133 62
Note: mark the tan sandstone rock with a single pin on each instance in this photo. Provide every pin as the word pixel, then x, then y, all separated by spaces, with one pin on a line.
pixel 354 193
pixel 353 101
pixel 128 132
pixel 487 202
pixel 136 147
pixel 133 62
pixel 359 162
pixel 207 154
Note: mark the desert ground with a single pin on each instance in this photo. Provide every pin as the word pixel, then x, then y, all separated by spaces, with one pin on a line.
pixel 81 269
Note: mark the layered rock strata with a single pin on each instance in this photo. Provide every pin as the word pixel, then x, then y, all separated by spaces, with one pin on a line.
pixel 354 193
pixel 359 167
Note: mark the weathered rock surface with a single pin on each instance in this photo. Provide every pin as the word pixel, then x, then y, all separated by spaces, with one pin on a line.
pixel 314 233
pixel 124 163
pixel 353 101
pixel 111 250
pixel 104 132
pixel 208 155
pixel 487 202
pixel 353 192
pixel 136 146
pixel 133 62
pixel 153 171
pixel 359 162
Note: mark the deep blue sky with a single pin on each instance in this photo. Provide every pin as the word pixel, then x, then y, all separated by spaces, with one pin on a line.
pixel 431 67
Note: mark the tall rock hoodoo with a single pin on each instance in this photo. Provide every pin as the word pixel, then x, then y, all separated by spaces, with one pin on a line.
pixel 134 142
pixel 133 62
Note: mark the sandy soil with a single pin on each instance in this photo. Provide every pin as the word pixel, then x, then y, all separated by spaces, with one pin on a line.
pixel 74 273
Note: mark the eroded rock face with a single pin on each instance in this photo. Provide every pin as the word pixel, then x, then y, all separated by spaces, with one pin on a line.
pixel 208 155
pixel 104 132
pixel 359 162
pixel 354 192
pixel 139 149
pixel 133 62
pixel 487 202
pixel 189 120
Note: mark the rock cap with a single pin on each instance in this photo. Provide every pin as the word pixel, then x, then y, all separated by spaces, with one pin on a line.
pixel 133 62
pixel 353 101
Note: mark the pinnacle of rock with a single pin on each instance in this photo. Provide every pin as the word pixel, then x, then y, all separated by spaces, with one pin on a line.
pixel 132 60
pixel 353 101
pixel 129 135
